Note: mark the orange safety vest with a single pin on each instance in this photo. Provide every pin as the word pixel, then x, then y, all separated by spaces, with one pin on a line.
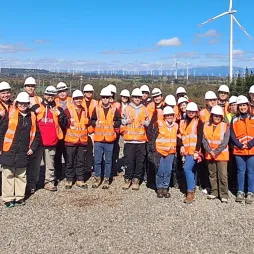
pixel 135 131
pixel 244 132
pixel 37 99
pixel 41 116
pixel 78 131
pixel 12 126
pixel 3 106
pixel 92 105
pixel 104 129
pixel 151 108
pixel 59 103
pixel 166 140
pixel 204 115
pixel 214 138
pixel 189 135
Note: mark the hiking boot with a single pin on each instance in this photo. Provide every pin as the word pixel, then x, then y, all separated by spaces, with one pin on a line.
pixel 105 184
pixel 68 185
pixel 20 202
pixel 224 200
pixel 135 184
pixel 159 193
pixel 165 193
pixel 190 197
pixel 211 197
pixel 97 182
pixel 250 198
pixel 127 184
pixel 9 204
pixel 50 187
pixel 239 196
pixel 81 184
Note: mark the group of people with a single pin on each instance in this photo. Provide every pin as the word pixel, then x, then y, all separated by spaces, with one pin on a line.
pixel 160 136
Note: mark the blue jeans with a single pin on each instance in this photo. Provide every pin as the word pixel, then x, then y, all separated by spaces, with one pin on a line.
pixel 164 172
pixel 245 164
pixel 189 172
pixel 101 148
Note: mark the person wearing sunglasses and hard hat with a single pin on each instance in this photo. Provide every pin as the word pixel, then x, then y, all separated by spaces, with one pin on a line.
pixel 30 87
pixel 191 135
pixel 146 93
pixel 215 142
pixel 181 92
pixel 242 136
pixel 76 140
pixel 51 120
pixel 105 120
pixel 251 95
pixel 211 100
pixel 135 119
pixel 19 139
pixel 164 142
pixel 223 96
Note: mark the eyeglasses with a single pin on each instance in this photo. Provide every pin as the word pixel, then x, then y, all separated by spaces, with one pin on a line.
pixel 136 97
pixel 50 95
pixel 125 97
pixel 169 115
pixel 78 98
pixel 23 103
pixel 105 97
pixel 223 93
pixel 144 92
pixel 88 92
pixel 212 100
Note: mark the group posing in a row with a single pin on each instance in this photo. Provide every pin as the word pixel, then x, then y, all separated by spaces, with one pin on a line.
pixel 154 130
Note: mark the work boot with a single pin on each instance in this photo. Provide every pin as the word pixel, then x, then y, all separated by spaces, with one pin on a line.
pixel 190 197
pixel 239 196
pixel 50 187
pixel 159 193
pixel 127 184
pixel 81 184
pixel 68 185
pixel 250 198
pixel 135 184
pixel 105 184
pixel 165 193
pixel 97 182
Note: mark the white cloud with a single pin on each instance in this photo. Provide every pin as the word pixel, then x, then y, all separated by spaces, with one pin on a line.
pixel 169 42
pixel 209 33
pixel 238 52
pixel 13 48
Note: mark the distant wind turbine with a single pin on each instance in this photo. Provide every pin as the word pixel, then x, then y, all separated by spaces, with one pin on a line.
pixel 232 17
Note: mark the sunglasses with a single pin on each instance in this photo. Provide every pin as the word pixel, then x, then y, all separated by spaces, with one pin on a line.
pixel 145 92
pixel 223 93
pixel 23 103
pixel 169 115
pixel 106 97
pixel 88 92
pixel 136 97
pixel 30 86
pixel 212 100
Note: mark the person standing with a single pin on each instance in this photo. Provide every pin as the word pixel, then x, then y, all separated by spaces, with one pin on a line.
pixel 223 95
pixel 232 109
pixel 5 98
pixel 19 139
pixel 30 87
pixel 146 93
pixel 251 95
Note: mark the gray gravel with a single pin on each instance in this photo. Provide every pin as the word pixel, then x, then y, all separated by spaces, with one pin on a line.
pixel 117 221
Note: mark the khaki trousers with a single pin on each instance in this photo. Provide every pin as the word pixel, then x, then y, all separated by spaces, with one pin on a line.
pixel 49 160
pixel 218 176
pixel 13 183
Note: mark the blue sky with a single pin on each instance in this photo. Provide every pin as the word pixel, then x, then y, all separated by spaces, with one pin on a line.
pixel 122 34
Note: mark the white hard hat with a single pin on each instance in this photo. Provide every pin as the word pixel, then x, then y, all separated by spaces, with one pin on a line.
pixel 77 93
pixel 168 110
pixel 112 88
pixel 145 88
pixel 136 92
pixel 217 110
pixel 251 89
pixel 241 99
pixel 61 86
pixel 192 106
pixel 4 86
pixel 180 90
pixel 181 100
pixel 156 91
pixel 232 99
pixel 170 100
pixel 210 95
pixel 88 88
pixel 50 90
pixel 30 81
pixel 105 92
pixel 125 93
pixel 23 97
pixel 223 88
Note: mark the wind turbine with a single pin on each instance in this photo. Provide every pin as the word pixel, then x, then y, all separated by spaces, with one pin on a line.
pixel 232 18
pixel 176 68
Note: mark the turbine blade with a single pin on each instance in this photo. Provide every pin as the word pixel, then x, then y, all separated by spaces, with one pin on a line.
pixel 242 28
pixel 230 5
pixel 212 19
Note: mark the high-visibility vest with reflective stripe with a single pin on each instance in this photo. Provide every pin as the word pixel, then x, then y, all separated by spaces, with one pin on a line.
pixel 104 129
pixel 42 117
pixel 244 132
pixel 135 131
pixel 59 102
pixel 189 135
pixel 214 137
pixel 12 126
pixel 166 140
pixel 204 115
pixel 92 105
pixel 77 132
pixel 151 108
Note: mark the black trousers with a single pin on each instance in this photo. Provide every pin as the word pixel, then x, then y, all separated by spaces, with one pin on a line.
pixel 59 169
pixel 75 164
pixel 135 156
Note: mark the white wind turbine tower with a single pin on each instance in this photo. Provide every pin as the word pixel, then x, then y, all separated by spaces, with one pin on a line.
pixel 176 68
pixel 232 17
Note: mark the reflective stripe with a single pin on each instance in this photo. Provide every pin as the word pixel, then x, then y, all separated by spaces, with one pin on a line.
pixel 7 140
pixel 163 140
pixel 10 131
pixel 189 144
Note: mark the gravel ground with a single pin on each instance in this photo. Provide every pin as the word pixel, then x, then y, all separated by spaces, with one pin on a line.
pixel 117 221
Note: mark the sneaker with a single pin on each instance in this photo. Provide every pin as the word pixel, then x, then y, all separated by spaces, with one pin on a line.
pixel 127 184
pixel 135 184
pixel 68 185
pixel 81 184
pixel 250 198
pixel 9 204
pixel 50 187
pixel 239 196
pixel 204 191
pixel 224 200
pixel 105 184
pixel 211 197
pixel 97 182
pixel 20 202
